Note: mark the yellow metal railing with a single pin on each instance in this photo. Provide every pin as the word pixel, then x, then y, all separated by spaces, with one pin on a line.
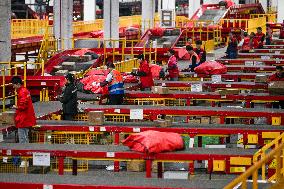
pixel 275 154
pixel 269 17
pixel 9 70
pixel 21 28
pixel 263 152
pixel 127 65
pixel 248 25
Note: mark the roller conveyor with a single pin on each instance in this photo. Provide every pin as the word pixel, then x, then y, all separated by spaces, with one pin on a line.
pixel 49 124
pixel 126 182
pixel 43 109
pixel 90 151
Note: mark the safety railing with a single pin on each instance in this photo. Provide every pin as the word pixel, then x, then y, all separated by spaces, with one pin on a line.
pixel 10 69
pixel 272 18
pixel 21 28
pixel 276 154
pixel 264 151
pixel 248 25
pixel 271 10
pixel 127 65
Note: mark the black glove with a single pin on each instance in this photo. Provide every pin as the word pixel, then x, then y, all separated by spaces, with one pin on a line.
pixel 104 83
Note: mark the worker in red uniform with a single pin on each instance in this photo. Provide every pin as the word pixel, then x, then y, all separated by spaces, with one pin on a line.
pixel 245 43
pixel 260 37
pixel 25 114
pixel 172 66
pixel 200 51
pixel 253 41
pixel 194 59
pixel 145 74
pixel 232 49
pixel 278 76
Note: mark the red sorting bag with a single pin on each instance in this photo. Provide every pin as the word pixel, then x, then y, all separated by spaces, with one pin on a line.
pixel 155 69
pixel 211 68
pixel 154 142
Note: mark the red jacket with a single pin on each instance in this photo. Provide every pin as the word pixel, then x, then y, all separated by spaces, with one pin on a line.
pixel 276 77
pixel 260 39
pixel 147 80
pixel 25 114
pixel 246 45
pixel 172 67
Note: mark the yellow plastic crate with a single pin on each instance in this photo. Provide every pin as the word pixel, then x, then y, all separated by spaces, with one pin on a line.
pixel 276 121
pixel 219 165
pixel 270 135
pixel 240 161
pixel 253 139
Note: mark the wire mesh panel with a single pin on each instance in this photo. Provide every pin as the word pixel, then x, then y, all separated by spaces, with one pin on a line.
pixel 17 164
pixel 82 165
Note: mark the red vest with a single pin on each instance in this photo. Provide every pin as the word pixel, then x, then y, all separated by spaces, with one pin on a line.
pixel 146 81
pixel 246 45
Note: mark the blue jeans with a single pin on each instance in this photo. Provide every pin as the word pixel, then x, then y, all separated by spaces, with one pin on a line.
pixel 23 135
pixel 232 54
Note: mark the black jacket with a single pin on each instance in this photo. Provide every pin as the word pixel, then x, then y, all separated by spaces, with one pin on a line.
pixel 69 99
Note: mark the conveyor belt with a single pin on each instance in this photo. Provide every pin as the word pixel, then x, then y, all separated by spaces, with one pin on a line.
pixel 152 124
pixel 64 147
pixel 208 82
pixel 112 148
pixel 46 108
pixel 191 108
pixel 114 181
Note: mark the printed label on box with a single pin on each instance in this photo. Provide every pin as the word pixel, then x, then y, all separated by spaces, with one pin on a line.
pixel 92 129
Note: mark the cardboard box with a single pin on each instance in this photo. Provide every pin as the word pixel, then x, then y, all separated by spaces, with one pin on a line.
pixel 195 121
pixel 229 92
pixel 8 117
pixel 215 120
pixel 135 166
pixel 96 118
pixel 163 123
pixel 70 66
pixel 205 120
pixel 261 79
pixel 160 90
pixel 276 87
pixel 61 72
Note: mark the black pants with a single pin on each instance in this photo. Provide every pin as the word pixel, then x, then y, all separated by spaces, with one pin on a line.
pixel 69 117
pixel 116 99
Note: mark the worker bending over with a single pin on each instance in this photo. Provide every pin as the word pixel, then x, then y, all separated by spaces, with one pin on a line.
pixel 145 74
pixel 200 51
pixel 172 66
pixel 194 58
